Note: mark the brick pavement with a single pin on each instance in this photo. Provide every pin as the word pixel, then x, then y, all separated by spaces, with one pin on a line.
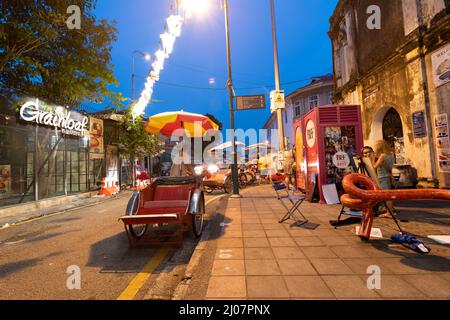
pixel 258 258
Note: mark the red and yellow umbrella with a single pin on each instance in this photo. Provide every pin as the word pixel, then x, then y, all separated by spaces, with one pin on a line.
pixel 166 123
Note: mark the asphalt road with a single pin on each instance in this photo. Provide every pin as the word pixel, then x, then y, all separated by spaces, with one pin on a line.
pixel 35 256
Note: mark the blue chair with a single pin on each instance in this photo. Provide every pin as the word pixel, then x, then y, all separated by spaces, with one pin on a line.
pixel 295 202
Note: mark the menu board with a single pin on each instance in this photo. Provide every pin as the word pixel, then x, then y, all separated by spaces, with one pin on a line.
pixel 5 181
pixel 442 141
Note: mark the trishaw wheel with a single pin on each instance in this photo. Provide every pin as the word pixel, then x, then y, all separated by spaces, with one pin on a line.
pixel 208 189
pixel 250 178
pixel 228 185
pixel 138 230
pixel 198 219
pixel 242 180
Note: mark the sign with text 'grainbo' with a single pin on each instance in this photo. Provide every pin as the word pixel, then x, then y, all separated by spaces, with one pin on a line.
pixel 251 102
pixel 38 112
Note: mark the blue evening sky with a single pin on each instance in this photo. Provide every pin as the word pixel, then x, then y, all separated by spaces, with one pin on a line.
pixel 200 52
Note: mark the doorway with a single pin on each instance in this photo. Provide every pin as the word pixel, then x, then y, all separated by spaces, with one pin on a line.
pixel 393 134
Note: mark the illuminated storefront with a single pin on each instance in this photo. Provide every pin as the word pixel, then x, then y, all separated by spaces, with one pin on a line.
pixel 48 151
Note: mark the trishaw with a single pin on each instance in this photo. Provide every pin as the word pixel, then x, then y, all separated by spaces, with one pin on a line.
pixel 169 201
pixel 218 176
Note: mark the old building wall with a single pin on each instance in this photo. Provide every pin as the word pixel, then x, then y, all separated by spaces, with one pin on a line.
pixel 376 45
pixel 429 9
pixel 389 74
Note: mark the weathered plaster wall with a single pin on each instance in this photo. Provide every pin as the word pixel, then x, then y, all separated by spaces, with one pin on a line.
pixel 375 45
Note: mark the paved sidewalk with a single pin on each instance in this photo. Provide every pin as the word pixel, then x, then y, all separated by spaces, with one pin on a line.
pixel 258 258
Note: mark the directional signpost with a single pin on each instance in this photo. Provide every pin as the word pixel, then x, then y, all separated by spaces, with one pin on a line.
pixel 251 102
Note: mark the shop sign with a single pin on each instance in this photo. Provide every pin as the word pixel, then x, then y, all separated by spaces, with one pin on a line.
pixel 341 160
pixel 310 134
pixel 59 117
pixel 441 133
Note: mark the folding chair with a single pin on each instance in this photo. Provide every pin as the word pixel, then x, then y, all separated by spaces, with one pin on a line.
pixel 351 213
pixel 295 201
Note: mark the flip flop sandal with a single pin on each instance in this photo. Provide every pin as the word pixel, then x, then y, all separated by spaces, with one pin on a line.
pixel 418 246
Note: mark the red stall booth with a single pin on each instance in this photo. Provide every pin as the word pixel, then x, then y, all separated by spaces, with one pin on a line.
pixel 326 141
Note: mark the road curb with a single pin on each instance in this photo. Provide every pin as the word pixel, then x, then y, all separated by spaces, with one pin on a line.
pixel 59 212
pixel 181 289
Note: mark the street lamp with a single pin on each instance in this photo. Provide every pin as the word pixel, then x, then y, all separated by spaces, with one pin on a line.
pixel 146 57
pixel 234 168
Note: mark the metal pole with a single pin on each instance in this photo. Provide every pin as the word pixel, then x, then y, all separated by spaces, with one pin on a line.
pixel 35 169
pixel 277 75
pixel 132 79
pixel 234 168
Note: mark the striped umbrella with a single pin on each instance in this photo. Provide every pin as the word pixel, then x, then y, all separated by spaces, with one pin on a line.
pixel 166 123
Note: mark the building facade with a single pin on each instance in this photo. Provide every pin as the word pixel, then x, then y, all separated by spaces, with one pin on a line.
pixel 298 103
pixel 48 151
pixel 393 59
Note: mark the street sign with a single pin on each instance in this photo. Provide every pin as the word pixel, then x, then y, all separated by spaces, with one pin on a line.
pixel 251 102
pixel 277 100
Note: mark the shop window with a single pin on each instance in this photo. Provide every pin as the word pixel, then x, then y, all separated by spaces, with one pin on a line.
pixel 14 163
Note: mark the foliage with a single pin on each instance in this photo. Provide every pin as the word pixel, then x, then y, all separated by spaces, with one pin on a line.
pixel 136 141
pixel 41 57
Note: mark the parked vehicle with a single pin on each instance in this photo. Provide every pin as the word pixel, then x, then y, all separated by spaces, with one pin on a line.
pixel 168 200
pixel 218 177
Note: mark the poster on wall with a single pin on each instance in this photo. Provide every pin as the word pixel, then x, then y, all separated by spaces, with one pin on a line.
pixel 442 141
pixel 5 181
pixel 301 164
pixel 440 61
pixel 419 126
pixel 96 138
pixel 340 145
pixel 112 163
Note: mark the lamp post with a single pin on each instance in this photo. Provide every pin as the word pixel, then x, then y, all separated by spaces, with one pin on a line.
pixel 277 75
pixel 234 168
pixel 146 57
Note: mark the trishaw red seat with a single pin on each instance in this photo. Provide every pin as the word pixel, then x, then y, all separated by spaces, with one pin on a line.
pixel 156 207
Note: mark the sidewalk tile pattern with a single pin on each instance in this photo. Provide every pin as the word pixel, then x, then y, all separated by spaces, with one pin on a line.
pixel 259 258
